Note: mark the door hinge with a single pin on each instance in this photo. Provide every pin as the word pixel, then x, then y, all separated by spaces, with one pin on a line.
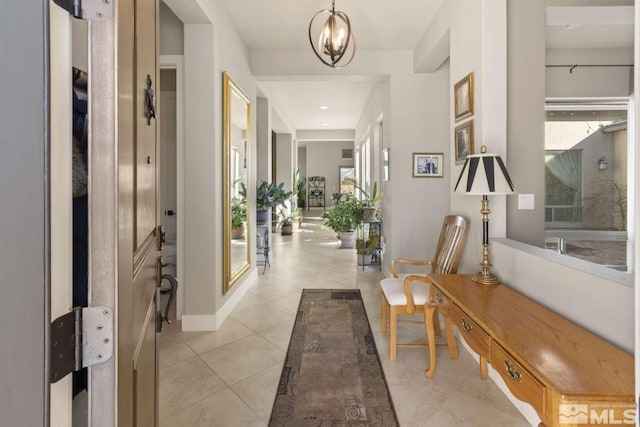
pixel 90 10
pixel 83 337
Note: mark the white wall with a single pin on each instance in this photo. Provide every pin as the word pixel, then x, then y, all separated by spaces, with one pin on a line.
pixel 211 45
pixel 418 122
pixel 604 307
pixel 478 45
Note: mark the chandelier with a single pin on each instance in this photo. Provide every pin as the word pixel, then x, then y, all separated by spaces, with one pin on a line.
pixel 335 38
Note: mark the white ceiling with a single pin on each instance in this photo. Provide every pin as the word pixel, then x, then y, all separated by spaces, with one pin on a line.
pixel 283 25
pixel 378 25
pixel 300 102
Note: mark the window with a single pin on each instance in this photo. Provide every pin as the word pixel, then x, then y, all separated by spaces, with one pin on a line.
pixel 586 178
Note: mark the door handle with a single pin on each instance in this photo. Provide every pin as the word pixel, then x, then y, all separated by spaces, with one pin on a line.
pixel 149 103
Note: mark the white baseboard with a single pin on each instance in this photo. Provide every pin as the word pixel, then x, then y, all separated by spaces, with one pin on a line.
pixel 211 322
pixel 525 409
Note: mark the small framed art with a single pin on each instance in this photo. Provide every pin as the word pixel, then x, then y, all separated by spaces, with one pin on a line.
pixel 428 165
pixel 463 141
pixel 463 97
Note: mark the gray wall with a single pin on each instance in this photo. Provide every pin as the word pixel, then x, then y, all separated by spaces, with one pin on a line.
pixel 584 81
pixel 324 158
pixel 263 139
pixel 525 129
pixel 171 32
pixel 24 250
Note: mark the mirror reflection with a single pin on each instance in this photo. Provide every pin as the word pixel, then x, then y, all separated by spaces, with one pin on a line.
pixel 236 154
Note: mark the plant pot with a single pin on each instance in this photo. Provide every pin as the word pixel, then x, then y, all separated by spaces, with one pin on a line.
pixel 238 232
pixel 348 239
pixel 262 216
pixel 364 259
pixel 370 213
pixel 286 230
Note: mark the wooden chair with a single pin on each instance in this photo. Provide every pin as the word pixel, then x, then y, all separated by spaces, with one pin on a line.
pixel 409 294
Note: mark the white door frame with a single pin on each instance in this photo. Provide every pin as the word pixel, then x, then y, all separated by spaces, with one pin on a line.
pixel 176 62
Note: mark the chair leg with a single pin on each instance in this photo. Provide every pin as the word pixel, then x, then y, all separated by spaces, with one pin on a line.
pixel 451 339
pixel 393 329
pixel 429 314
pixel 384 310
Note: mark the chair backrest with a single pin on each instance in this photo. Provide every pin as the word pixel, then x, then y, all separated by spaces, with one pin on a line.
pixel 450 245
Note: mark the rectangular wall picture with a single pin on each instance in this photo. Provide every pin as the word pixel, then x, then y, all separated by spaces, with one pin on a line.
pixel 463 141
pixel 463 97
pixel 428 165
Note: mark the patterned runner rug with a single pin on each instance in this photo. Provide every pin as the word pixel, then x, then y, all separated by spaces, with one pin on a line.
pixel 332 374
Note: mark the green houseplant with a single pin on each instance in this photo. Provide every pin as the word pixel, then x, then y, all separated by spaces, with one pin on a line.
pixel 238 217
pixel 366 248
pixel 285 221
pixel 369 200
pixel 269 196
pixel 344 217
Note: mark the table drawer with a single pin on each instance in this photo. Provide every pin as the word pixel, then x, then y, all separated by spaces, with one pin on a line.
pixel 473 334
pixel 444 304
pixel 521 382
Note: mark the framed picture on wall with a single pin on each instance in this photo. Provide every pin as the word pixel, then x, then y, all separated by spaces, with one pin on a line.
pixel 428 165
pixel 385 164
pixel 463 97
pixel 463 141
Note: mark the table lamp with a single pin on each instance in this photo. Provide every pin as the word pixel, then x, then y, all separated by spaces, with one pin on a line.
pixel 484 174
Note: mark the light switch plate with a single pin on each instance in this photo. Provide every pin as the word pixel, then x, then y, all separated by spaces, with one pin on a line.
pixel 526 201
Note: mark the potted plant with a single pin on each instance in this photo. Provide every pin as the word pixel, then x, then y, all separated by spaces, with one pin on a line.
pixel 269 196
pixel 366 248
pixel 238 217
pixel 369 201
pixel 344 217
pixel 285 221
pixel 299 198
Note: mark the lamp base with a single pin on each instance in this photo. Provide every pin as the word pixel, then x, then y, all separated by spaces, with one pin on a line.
pixel 485 278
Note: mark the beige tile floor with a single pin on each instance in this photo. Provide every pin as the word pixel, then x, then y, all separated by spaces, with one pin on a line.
pixel 229 377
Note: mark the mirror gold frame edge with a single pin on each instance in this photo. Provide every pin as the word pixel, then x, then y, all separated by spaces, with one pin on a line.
pixel 229 278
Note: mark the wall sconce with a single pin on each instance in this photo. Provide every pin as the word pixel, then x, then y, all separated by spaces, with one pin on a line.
pixel 602 163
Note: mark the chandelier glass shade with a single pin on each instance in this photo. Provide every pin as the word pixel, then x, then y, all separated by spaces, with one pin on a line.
pixel 334 43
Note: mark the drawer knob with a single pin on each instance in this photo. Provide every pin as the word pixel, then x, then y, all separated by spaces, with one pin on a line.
pixel 439 298
pixel 513 372
pixel 466 325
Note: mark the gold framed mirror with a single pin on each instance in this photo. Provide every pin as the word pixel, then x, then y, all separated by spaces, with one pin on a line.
pixel 236 151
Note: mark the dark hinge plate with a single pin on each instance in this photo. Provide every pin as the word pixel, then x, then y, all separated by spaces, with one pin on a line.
pixel 63 345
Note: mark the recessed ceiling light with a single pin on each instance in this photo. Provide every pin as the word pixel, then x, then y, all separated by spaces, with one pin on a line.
pixel 324 107
pixel 325 124
pixel 571 27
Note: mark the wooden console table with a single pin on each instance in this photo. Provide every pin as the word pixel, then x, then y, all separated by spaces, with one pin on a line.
pixel 547 361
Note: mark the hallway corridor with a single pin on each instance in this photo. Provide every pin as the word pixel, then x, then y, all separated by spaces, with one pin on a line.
pixel 229 377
